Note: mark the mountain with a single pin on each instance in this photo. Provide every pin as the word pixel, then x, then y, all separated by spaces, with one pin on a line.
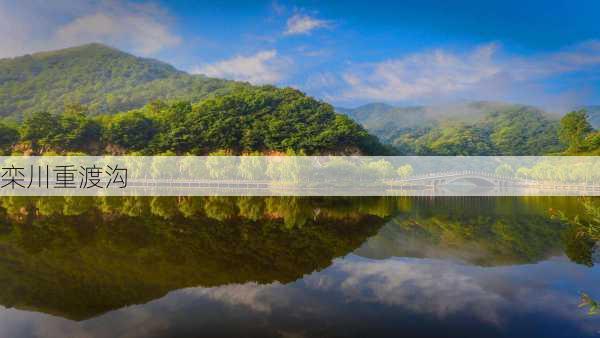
pixel 385 120
pixel 94 99
pixel 472 128
pixel 104 79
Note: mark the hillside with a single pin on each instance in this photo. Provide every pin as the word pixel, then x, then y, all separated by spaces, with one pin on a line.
pixel 385 120
pixel 98 100
pixel 473 128
pixel 104 79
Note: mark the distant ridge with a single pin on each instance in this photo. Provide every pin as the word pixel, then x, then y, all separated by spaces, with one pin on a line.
pixel 469 128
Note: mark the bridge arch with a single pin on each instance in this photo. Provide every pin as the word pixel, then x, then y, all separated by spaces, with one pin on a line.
pixel 479 181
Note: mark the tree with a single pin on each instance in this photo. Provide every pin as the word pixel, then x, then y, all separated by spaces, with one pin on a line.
pixel 8 137
pixel 504 169
pixel 404 171
pixel 574 127
pixel 41 130
pixel 132 131
pixel 78 131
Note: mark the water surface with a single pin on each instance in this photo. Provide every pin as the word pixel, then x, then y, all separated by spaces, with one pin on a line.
pixel 294 267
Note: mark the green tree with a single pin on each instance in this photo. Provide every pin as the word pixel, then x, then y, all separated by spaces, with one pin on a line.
pixel 404 171
pixel 78 131
pixel 8 137
pixel 574 128
pixel 42 131
pixel 132 131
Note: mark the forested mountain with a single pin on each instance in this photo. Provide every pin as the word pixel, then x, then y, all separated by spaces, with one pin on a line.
pixel 97 100
pixel 474 128
pixel 104 79
pixel 386 121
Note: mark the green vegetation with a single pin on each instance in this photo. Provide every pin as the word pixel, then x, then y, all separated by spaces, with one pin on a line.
pixel 592 305
pixel 578 134
pixel 57 102
pixel 481 231
pixel 583 232
pixel 245 120
pixel 581 240
pixel 521 131
pixel 478 128
pixel 103 79
pixel 61 102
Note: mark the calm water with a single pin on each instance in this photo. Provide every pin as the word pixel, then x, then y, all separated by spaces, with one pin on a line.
pixel 294 267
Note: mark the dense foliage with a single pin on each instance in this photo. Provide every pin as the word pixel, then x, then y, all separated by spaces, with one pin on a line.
pixel 104 79
pixel 481 231
pixel 478 128
pixel 577 133
pixel 248 119
pixel 54 102
pixel 520 131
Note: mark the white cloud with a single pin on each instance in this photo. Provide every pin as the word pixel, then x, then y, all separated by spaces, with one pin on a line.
pixel 581 56
pixel 264 67
pixel 442 290
pixel 143 28
pixel 480 73
pixel 304 24
pixel 422 75
pixel 252 295
pixel 144 34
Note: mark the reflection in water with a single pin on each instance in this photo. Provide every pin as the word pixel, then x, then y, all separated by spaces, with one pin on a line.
pixel 283 266
pixel 82 260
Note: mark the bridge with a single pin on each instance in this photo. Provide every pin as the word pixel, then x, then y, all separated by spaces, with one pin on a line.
pixel 478 178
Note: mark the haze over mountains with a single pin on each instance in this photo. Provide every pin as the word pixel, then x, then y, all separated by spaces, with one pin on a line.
pixel 378 116
pixel 468 128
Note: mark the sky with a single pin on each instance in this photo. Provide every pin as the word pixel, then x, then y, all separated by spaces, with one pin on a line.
pixel 544 53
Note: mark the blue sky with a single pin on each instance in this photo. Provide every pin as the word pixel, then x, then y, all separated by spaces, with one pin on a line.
pixel 545 53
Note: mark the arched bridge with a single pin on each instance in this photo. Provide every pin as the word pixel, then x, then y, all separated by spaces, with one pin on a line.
pixel 478 178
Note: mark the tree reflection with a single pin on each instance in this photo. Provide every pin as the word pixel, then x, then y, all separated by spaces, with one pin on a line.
pixel 79 257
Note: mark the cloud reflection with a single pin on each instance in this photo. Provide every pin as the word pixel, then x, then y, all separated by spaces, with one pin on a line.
pixel 353 293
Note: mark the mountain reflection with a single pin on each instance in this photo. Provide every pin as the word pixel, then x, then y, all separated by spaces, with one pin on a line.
pixel 79 257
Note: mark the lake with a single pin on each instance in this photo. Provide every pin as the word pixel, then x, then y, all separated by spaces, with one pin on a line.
pixel 296 267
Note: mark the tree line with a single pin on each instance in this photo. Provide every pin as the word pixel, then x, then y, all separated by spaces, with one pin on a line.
pixel 248 119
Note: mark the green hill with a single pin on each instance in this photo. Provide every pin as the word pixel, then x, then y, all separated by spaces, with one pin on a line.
pixel 104 79
pixel 98 100
pixel 474 128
